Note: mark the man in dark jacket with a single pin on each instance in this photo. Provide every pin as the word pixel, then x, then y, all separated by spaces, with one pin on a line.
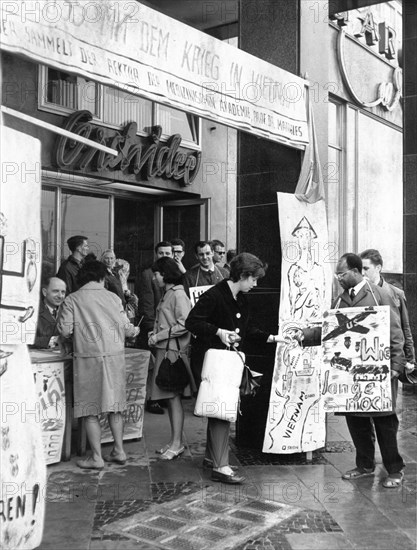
pixel 361 425
pixel 70 267
pixel 46 330
pixel 371 269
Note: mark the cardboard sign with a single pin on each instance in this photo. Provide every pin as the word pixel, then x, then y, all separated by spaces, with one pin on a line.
pixel 137 364
pixel 296 418
pixel 356 356
pixel 23 472
pixel 196 292
pixel 50 389
pixel 20 238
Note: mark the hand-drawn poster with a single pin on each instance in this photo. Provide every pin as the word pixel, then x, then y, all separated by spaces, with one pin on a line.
pixel 137 364
pixel 20 238
pixel 23 472
pixel 196 292
pixel 356 353
pixel 296 418
pixel 50 389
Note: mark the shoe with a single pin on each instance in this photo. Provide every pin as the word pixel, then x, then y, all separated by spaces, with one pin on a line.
pixel 163 449
pixel 90 464
pixel 154 408
pixel 117 459
pixel 393 480
pixel 232 479
pixel 357 473
pixel 163 403
pixel 207 463
pixel 169 454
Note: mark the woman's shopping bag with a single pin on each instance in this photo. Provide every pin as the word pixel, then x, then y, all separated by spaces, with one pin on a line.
pixel 218 395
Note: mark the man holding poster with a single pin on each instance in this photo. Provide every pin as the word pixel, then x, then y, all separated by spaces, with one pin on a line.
pixel 358 292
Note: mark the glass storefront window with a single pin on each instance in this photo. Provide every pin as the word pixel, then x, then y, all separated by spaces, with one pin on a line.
pixel 48 231
pixel 71 91
pixel 87 215
pixel 120 107
pixel 174 121
pixel 134 234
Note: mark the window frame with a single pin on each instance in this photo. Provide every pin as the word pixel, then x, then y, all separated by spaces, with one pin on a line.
pixel 44 105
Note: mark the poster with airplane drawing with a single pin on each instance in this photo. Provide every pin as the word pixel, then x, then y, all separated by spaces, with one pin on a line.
pixel 356 356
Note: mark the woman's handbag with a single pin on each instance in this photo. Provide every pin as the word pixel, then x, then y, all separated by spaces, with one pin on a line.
pixel 218 395
pixel 172 377
pixel 251 382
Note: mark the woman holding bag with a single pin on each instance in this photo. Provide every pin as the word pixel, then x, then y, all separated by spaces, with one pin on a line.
pixel 220 319
pixel 171 339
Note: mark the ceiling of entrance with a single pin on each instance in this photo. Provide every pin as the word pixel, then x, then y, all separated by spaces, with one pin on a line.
pixel 200 14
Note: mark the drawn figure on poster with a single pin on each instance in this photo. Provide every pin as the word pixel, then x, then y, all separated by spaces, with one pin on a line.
pixel 293 404
pixel 306 278
pixel 28 270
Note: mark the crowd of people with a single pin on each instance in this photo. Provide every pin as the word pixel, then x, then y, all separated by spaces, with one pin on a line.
pixel 88 308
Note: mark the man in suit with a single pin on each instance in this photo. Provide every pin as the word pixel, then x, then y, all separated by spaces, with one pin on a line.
pixel 372 267
pixel 358 292
pixel 53 291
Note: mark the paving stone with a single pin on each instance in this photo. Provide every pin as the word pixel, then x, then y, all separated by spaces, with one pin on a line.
pixel 210 530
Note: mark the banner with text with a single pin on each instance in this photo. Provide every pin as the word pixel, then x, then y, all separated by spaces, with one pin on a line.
pixel 296 418
pixel 50 389
pixel 356 353
pixel 137 364
pixel 127 45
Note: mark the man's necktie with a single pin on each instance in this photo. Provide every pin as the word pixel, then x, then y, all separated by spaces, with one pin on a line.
pixel 352 294
pixel 54 312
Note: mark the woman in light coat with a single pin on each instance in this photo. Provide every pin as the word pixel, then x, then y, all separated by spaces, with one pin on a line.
pixel 169 328
pixel 98 325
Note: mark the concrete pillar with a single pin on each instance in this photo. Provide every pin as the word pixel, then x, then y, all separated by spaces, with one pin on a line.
pixel 410 158
pixel 268 29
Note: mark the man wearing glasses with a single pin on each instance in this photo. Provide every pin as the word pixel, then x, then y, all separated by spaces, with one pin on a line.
pixel 219 252
pixel 359 292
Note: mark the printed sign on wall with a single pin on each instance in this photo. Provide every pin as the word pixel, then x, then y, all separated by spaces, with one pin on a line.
pixel 356 354
pixel 296 418
pixel 137 364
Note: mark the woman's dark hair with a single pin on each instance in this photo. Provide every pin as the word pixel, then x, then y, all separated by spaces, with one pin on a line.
pixel 169 270
pixel 244 265
pixel 91 271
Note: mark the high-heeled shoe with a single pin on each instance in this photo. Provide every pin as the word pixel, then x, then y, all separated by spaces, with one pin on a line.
pixel 169 454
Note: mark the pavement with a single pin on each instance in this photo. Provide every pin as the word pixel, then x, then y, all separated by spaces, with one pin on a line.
pixel 287 503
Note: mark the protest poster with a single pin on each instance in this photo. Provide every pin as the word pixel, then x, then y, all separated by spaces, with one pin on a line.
pixel 23 472
pixel 50 389
pixel 356 356
pixel 196 292
pixel 137 364
pixel 20 251
pixel 296 418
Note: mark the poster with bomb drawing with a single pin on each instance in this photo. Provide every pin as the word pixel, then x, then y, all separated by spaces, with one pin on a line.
pixel 20 195
pixel 356 356
pixel 296 418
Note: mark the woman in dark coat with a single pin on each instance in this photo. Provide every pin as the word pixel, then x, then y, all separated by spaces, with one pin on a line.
pixel 219 319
